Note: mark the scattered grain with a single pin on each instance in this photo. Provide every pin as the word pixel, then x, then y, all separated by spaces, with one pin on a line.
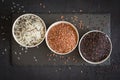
pixel 43 6
pixel 69 68
pixel 18 58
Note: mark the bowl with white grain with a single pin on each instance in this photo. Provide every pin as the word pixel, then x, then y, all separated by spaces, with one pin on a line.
pixel 29 30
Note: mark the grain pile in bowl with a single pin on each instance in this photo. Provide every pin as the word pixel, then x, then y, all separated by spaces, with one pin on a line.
pixel 29 30
pixel 62 38
pixel 95 46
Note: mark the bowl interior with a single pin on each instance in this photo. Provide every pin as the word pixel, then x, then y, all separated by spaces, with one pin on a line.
pixel 83 51
pixel 26 15
pixel 53 25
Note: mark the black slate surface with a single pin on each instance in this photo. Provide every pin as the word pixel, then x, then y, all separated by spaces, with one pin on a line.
pixel 41 55
pixel 9 72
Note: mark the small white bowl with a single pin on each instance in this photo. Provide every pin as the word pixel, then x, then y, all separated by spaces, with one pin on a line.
pixel 91 62
pixel 14 24
pixel 56 23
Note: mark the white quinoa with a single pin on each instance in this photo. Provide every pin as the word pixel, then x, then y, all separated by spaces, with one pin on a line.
pixel 29 30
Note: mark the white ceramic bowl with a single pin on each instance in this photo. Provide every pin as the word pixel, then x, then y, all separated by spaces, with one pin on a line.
pixel 56 23
pixel 91 62
pixel 14 24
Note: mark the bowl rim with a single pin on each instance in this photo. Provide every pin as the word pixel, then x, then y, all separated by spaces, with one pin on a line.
pixel 13 26
pixel 56 23
pixel 98 62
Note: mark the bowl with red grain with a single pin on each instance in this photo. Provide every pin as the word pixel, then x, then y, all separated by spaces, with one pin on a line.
pixel 95 47
pixel 62 37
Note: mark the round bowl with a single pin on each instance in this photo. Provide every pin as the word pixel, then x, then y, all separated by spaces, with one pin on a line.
pixel 29 30
pixel 60 23
pixel 96 57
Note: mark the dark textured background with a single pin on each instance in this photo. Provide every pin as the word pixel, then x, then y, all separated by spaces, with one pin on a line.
pixel 9 72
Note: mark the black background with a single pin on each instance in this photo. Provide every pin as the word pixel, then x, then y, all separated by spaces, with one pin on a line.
pixel 9 72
